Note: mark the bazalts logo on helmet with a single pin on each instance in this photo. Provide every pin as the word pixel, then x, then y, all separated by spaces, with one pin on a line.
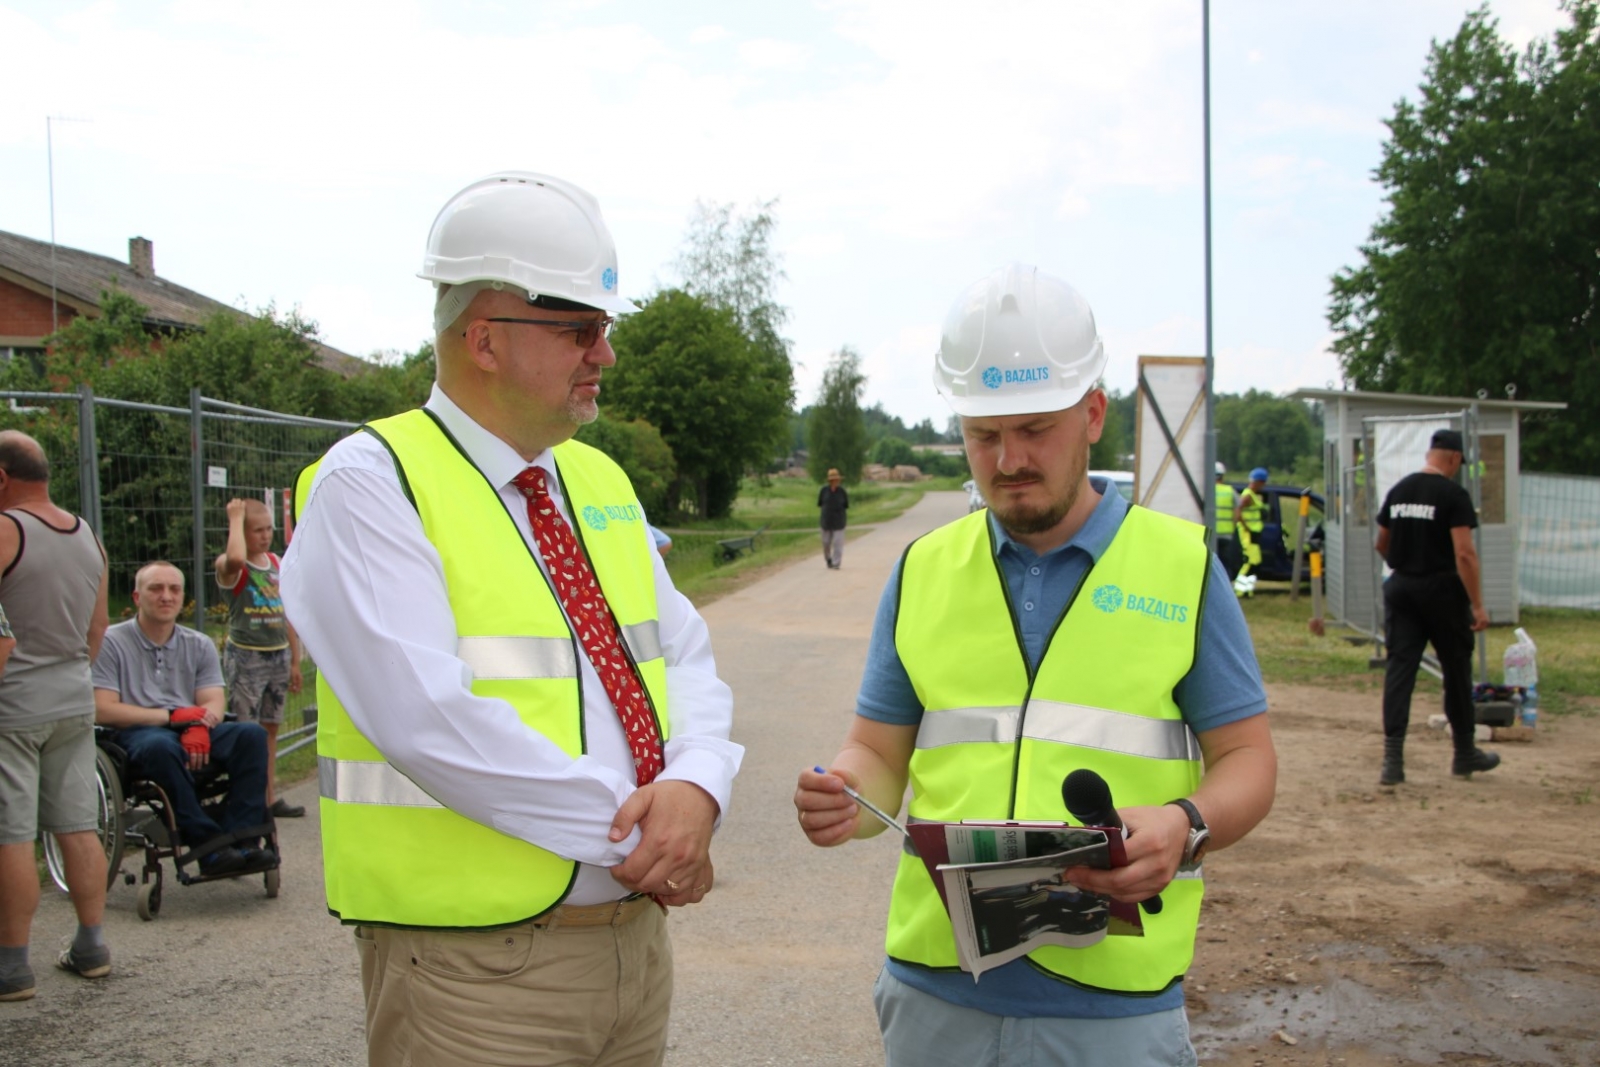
pixel 994 377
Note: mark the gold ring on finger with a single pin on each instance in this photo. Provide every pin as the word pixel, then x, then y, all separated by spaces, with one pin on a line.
pixel 674 886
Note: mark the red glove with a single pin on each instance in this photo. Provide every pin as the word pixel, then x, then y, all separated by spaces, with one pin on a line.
pixel 178 718
pixel 196 740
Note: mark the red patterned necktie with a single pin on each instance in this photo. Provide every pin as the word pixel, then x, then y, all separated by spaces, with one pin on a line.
pixel 596 627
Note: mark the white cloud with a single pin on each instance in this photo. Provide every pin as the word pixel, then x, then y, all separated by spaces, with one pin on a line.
pixel 768 54
pixel 297 149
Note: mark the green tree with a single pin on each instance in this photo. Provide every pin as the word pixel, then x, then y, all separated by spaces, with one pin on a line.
pixel 1115 444
pixel 1258 429
pixel 892 452
pixel 718 399
pixel 265 360
pixel 836 436
pixel 641 451
pixel 728 260
pixel 1482 273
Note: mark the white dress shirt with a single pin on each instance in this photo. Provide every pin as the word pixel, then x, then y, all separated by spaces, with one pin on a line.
pixel 365 590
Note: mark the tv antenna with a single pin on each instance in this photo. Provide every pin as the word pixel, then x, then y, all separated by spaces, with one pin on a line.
pixel 50 162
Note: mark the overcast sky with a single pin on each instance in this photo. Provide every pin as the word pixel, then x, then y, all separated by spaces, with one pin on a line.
pixel 296 151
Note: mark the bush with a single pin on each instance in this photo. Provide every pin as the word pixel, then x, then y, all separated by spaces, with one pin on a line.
pixel 892 452
pixel 640 451
pixel 943 465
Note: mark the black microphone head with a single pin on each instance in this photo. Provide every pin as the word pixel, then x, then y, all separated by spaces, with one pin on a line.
pixel 1087 797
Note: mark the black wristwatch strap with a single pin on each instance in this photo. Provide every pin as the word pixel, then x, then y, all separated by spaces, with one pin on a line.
pixel 1199 832
pixel 1195 821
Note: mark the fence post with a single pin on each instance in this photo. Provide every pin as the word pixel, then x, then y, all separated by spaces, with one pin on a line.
pixel 197 493
pixel 88 461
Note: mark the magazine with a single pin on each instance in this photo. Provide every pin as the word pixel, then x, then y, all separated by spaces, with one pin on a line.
pixel 1004 886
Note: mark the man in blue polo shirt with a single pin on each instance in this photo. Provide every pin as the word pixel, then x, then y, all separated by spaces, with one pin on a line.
pixel 1061 628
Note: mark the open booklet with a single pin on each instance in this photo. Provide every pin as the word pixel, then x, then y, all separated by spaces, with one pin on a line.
pixel 1003 884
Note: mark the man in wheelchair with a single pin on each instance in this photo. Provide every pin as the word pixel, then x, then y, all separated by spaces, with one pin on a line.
pixel 159 686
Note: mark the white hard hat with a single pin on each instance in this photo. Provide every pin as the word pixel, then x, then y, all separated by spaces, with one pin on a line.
pixel 1221 469
pixel 1017 342
pixel 538 233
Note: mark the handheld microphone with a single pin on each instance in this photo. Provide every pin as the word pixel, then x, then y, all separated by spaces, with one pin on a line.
pixel 1088 798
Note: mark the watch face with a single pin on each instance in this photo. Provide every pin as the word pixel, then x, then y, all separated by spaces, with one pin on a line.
pixel 1199 841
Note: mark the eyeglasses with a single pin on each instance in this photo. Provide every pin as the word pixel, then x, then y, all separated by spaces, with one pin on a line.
pixel 587 332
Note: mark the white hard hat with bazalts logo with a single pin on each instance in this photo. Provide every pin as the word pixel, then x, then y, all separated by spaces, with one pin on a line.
pixel 1017 342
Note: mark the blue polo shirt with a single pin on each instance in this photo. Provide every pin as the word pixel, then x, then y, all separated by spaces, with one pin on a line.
pixel 1222 687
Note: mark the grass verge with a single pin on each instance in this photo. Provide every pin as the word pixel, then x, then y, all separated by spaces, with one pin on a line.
pixel 1569 671
pixel 788 508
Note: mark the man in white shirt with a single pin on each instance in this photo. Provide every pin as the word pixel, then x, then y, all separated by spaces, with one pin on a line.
pixel 484 825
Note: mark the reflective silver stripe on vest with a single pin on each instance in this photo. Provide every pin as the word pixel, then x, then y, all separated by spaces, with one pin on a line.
pixel 1066 724
pixel 967 726
pixel 518 657
pixel 643 640
pixel 1110 731
pixel 369 782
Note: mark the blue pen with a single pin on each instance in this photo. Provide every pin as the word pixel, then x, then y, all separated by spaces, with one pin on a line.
pixel 882 815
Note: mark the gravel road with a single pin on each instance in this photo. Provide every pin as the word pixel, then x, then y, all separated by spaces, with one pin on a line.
pixel 776 967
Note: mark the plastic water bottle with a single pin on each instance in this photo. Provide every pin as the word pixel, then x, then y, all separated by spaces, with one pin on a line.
pixel 1530 707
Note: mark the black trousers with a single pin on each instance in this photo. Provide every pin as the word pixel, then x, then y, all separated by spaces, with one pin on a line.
pixel 1231 555
pixel 1418 612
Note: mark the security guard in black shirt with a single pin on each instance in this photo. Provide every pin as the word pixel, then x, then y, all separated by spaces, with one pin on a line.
pixel 1434 596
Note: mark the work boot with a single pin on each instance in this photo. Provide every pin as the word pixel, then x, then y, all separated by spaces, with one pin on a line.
pixel 1479 760
pixel 1394 761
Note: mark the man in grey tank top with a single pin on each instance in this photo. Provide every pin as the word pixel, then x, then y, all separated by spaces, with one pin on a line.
pixel 53 583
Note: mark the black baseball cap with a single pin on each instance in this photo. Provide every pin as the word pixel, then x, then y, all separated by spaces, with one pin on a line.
pixel 1448 440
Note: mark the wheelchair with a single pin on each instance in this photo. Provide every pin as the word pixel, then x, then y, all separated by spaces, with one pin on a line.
pixel 133 811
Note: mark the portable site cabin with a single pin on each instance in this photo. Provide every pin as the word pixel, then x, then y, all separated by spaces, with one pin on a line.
pixel 1372 440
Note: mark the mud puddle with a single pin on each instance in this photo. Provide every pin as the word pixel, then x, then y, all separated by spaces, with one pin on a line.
pixel 1441 1004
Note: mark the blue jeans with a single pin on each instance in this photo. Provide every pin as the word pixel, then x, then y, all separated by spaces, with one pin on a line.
pixel 239 748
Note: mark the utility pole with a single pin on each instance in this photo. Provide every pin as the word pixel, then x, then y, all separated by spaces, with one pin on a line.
pixel 1211 421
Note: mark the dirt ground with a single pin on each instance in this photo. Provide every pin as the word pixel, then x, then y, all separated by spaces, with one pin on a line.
pixel 1439 922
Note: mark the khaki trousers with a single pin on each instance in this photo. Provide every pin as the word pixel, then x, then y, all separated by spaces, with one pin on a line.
pixel 550 994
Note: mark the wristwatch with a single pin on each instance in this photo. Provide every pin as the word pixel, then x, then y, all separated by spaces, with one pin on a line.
pixel 1199 834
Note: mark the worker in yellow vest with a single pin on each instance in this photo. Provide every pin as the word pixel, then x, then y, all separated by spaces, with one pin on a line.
pixel 522 742
pixel 1060 629
pixel 1249 517
pixel 1227 543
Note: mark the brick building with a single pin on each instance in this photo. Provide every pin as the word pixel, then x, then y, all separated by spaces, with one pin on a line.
pixel 44 287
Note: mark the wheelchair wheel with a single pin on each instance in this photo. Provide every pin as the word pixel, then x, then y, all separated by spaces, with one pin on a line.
pixel 272 879
pixel 149 904
pixel 108 823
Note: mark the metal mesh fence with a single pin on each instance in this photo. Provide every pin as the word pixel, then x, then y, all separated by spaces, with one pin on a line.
pixel 155 481
pixel 1560 541
pixel 142 462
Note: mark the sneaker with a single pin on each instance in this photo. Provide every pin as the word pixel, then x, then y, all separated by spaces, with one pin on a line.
pixel 97 966
pixel 1478 761
pixel 222 861
pixel 19 988
pixel 282 809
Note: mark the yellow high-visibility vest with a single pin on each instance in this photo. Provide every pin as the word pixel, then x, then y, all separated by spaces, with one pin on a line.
pixel 1226 498
pixel 1254 511
pixel 393 855
pixel 995 742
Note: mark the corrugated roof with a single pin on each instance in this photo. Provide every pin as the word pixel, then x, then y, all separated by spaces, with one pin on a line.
pixel 1418 400
pixel 80 277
